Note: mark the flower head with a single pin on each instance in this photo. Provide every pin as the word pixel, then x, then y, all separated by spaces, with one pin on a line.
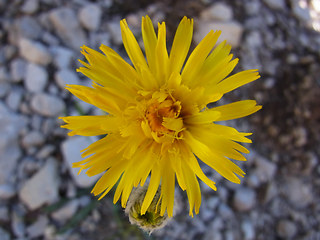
pixel 158 123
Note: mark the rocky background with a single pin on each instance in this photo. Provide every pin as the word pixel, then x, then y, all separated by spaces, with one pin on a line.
pixel 41 196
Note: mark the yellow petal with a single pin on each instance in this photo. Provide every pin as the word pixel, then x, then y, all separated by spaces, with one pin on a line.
pixel 237 80
pixel 152 188
pixel 198 56
pixel 162 59
pixel 237 109
pixel 181 45
pixel 175 124
pixel 92 96
pixel 90 125
pixel 132 47
pixel 205 117
pixel 193 189
pixel 167 189
pixel 150 42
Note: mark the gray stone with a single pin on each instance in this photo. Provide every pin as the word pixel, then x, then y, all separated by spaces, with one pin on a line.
pixel 7 191
pixel 286 229
pixel 30 6
pixel 34 51
pixel 17 70
pixel 96 39
pixel 248 230
pixel 244 199
pixel 253 39
pixel 301 136
pixel 66 76
pixel 4 75
pixel 231 31
pixel 4 214
pixel 10 126
pixel 33 138
pixel 90 16
pixel 47 105
pixel 264 168
pixel 67 27
pixel 115 31
pixel 298 193
pixel 4 234
pixel 17 225
pixel 37 228
pixel 71 153
pixel 45 151
pixel 36 78
pixel 42 188
pixel 66 212
pixel 50 39
pixel 14 98
pixel 26 27
pixel 4 89
pixel 303 14
pixel 62 57
pixel 275 4
pixel 218 11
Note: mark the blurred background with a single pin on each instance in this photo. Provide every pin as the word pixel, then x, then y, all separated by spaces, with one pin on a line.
pixel 41 197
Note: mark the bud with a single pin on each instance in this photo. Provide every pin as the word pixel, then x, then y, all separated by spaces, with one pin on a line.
pixel 151 220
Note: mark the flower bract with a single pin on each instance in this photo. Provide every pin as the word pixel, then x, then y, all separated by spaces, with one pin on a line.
pixel 158 124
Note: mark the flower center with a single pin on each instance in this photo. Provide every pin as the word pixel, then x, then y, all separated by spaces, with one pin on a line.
pixel 160 115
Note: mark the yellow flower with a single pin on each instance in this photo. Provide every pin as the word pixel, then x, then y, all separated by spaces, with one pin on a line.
pixel 158 122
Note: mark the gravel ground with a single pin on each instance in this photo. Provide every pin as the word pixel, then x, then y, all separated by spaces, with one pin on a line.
pixel 41 196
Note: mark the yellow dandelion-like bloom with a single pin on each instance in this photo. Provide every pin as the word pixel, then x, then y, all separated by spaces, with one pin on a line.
pixel 158 123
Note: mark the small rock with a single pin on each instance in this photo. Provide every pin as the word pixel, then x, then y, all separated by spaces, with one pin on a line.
pixel 115 31
pixel 253 39
pixel 71 153
pixel 47 105
pixel 298 193
pixel 286 229
pixel 244 199
pixel 36 78
pixel 30 6
pixel 90 16
pixel 37 228
pixel 41 188
pixel 10 126
pixel 275 4
pixel 225 212
pixel 66 212
pixel 18 70
pixel 265 169
pixel 4 75
pixel 4 89
pixel 33 138
pixel 62 57
pixel 4 215
pixel 231 31
pixel 26 27
pixel 17 225
pixel 7 191
pixel 66 76
pixel 302 13
pixel 301 136
pixel 14 98
pixel 248 230
pixel 34 51
pixel 67 27
pixel 4 234
pixel 45 151
pixel 218 11
pixel 50 39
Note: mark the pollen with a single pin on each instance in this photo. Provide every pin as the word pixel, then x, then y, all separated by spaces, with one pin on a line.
pixel 159 113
